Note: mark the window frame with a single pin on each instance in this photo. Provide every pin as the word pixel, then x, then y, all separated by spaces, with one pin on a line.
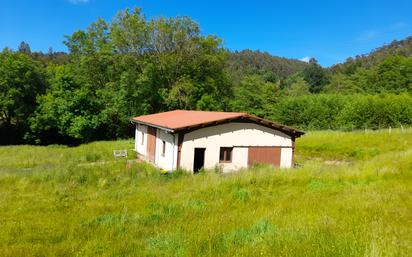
pixel 225 150
pixel 142 141
pixel 163 148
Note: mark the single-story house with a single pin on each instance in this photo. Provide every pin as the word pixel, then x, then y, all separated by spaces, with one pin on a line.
pixel 192 140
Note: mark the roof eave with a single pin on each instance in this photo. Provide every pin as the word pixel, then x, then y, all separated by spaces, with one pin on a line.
pixel 289 130
pixel 207 124
pixel 153 125
pixel 286 129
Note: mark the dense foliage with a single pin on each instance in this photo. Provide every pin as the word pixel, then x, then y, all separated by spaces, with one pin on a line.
pixel 249 62
pixel 21 80
pixel 132 66
pixel 333 111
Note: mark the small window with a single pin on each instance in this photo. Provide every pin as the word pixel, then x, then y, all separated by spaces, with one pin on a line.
pixel 163 148
pixel 142 142
pixel 225 154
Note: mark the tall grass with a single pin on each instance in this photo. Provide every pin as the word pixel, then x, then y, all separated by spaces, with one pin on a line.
pixel 336 203
pixel 357 145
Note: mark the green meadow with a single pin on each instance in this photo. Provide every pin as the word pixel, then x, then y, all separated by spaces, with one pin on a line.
pixel 350 195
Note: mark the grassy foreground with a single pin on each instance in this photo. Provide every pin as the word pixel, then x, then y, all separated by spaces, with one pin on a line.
pixel 351 196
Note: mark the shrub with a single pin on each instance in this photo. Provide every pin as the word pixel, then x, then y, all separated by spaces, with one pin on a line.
pixel 357 111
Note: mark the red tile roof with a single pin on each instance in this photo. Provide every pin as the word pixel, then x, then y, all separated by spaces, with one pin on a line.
pixel 183 119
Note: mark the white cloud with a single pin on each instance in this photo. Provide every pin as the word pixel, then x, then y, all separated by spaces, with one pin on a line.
pixel 78 1
pixel 305 59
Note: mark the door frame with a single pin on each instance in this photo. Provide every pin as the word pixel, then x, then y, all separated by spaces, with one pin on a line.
pixel 196 167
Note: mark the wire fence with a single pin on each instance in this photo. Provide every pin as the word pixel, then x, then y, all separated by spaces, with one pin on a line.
pixel 370 129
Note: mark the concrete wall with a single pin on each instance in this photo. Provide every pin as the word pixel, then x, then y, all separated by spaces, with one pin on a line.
pixel 168 160
pixel 286 157
pixel 237 135
pixel 141 131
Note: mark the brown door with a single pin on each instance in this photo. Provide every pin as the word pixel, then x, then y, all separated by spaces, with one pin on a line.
pixel 151 143
pixel 269 155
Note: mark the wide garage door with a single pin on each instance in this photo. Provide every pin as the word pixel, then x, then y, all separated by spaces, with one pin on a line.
pixel 269 155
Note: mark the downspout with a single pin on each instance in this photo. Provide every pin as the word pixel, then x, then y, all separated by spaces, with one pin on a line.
pixel 293 152
pixel 173 159
pixel 179 149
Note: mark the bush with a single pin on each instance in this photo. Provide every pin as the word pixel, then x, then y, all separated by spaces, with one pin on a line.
pixel 331 111
pixel 376 111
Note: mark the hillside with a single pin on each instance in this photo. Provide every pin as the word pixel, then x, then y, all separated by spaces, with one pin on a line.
pixel 248 62
pixel 397 47
pixel 346 199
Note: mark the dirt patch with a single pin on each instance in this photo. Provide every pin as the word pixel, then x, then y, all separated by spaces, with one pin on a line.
pixel 336 162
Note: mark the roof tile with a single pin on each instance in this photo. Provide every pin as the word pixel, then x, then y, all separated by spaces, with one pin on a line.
pixel 182 118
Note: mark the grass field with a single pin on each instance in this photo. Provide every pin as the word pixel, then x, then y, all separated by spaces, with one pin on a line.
pixel 350 196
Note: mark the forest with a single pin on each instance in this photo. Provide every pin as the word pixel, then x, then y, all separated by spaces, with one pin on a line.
pixel 131 65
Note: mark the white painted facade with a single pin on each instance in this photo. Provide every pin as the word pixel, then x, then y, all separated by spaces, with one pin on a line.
pixel 237 135
pixel 240 136
pixel 166 161
pixel 140 142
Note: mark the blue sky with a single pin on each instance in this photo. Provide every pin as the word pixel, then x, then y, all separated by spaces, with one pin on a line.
pixel 330 30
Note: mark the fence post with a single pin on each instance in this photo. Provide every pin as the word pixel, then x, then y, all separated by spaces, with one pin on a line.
pixel 390 129
pixel 401 128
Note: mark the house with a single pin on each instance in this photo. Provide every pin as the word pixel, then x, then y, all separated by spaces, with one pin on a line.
pixel 192 140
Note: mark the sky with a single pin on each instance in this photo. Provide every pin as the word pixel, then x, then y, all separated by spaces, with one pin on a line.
pixel 329 31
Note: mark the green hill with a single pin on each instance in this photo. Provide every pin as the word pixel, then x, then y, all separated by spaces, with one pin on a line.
pixel 397 47
pixel 248 62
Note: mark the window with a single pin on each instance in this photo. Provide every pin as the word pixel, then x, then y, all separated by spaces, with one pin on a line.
pixel 225 154
pixel 142 142
pixel 163 148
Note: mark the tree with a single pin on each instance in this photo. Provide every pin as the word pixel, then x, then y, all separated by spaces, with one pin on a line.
pixel 21 81
pixel 24 48
pixel 315 75
pixel 94 39
pixel 394 74
pixel 182 57
pixel 298 87
pixel 272 68
pixel 341 83
pixel 72 110
pixel 254 95
pixel 129 67
pixel 129 32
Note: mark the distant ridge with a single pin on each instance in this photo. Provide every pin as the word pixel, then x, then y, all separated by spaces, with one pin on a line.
pixel 247 62
pixel 397 47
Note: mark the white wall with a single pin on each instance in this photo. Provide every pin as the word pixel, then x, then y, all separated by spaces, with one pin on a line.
pixel 168 160
pixel 232 135
pixel 286 156
pixel 141 130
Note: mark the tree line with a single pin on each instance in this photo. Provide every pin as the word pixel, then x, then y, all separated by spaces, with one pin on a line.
pixel 132 66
